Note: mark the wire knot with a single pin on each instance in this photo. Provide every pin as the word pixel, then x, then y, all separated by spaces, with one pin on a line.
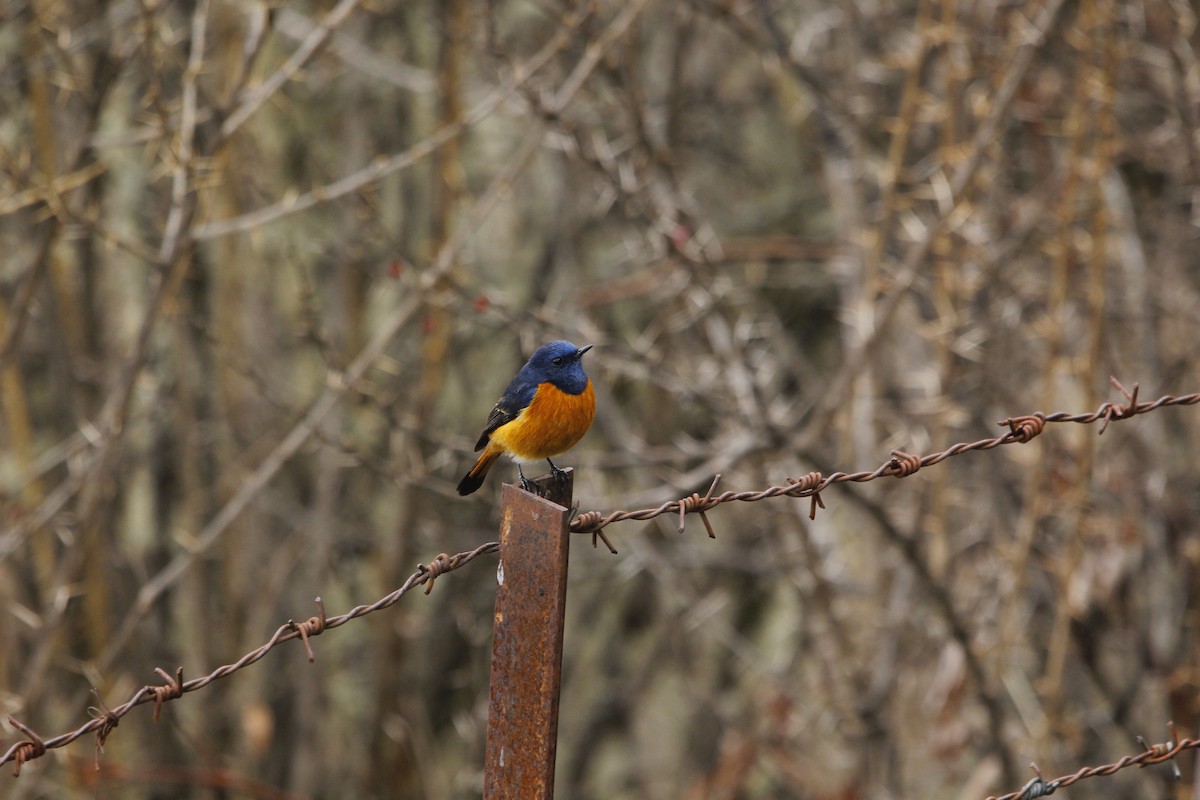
pixel 592 522
pixel 586 522
pixel 172 689
pixel 807 486
pixel 1024 428
pixel 109 720
pixel 903 464
pixel 695 503
pixel 1126 411
pixel 699 505
pixel 26 751
pixel 313 626
pixel 1038 786
pixel 434 569
pixel 1155 753
pixel 1161 751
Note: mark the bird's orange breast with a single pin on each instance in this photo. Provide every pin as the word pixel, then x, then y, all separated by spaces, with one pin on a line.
pixel 551 424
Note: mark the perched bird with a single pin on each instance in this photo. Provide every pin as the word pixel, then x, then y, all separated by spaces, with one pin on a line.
pixel 546 409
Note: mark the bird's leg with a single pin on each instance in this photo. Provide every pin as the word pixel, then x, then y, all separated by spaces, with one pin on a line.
pixel 525 484
pixel 560 476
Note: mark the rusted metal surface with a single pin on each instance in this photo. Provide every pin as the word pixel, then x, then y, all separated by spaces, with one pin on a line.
pixel 531 598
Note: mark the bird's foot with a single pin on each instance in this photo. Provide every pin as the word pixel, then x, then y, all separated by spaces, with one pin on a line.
pixel 526 484
pixel 560 475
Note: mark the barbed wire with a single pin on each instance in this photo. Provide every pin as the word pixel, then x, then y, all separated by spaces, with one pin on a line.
pixel 1153 754
pixel 104 719
pixel 1021 429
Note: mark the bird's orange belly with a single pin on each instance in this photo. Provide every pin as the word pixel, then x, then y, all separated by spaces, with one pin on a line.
pixel 549 425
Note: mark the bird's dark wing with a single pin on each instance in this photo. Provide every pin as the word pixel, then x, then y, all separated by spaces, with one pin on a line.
pixel 516 397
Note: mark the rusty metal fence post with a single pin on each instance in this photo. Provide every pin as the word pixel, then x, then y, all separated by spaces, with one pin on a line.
pixel 531 599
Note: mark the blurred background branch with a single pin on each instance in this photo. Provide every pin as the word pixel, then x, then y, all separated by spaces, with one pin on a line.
pixel 268 265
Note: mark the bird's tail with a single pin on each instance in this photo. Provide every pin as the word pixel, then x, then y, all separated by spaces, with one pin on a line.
pixel 474 479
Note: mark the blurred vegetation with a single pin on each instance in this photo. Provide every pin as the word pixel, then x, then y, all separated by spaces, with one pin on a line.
pixel 267 266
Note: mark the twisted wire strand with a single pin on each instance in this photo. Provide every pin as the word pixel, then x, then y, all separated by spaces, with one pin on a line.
pixel 1153 754
pixel 104 720
pixel 1021 429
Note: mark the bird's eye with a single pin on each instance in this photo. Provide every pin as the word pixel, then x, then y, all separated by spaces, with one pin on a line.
pixel 557 361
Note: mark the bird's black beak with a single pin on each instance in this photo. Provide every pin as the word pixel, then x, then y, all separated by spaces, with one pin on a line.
pixel 579 353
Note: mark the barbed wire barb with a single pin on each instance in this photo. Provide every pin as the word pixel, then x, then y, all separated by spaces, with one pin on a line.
pixel 34 747
pixel 1164 752
pixel 1118 412
pixel 433 570
pixel 1038 786
pixel 108 721
pixel 313 626
pixel 699 505
pixel 170 690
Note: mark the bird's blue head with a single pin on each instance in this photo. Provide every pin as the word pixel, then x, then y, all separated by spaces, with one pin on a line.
pixel 558 363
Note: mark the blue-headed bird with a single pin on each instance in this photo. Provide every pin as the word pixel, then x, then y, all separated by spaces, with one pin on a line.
pixel 546 409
